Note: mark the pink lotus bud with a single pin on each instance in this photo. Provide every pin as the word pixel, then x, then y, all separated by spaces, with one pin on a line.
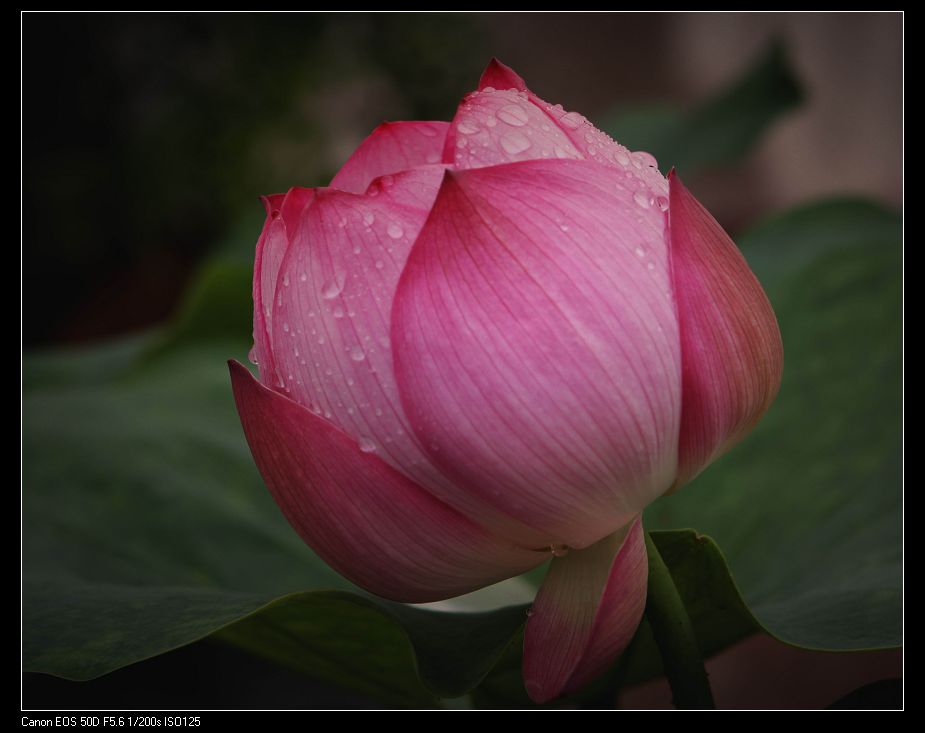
pixel 494 340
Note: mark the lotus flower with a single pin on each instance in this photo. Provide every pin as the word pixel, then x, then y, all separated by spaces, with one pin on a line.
pixel 492 341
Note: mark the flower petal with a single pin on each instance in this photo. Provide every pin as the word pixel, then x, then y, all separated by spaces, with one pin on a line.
pixel 332 314
pixel 585 614
pixel 501 76
pixel 536 347
pixel 283 212
pixel 504 121
pixel 391 148
pixel 731 347
pixel 362 517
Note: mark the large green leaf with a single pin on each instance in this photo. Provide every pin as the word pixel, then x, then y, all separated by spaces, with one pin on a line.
pixel 718 131
pixel 146 526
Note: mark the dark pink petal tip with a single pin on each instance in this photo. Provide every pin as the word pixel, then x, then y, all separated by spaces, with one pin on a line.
pixel 501 76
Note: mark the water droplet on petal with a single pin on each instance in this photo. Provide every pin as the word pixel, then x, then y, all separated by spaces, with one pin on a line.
pixel 514 115
pixel 303 277
pixel 333 287
pixel 572 120
pixel 559 550
pixel 368 218
pixel 467 127
pixel 286 328
pixel 642 199
pixel 366 444
pixel 491 122
pixel 252 356
pixel 514 142
pixel 662 203
pixel 395 230
pixel 379 264
pixel 338 311
pixel 646 160
pixel 640 252
pixel 357 353
pixel 487 90
pixel 530 612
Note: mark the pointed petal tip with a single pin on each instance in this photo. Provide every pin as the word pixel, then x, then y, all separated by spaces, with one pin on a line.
pixel 498 75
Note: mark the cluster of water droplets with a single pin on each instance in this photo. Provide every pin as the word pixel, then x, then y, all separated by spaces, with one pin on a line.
pixel 340 364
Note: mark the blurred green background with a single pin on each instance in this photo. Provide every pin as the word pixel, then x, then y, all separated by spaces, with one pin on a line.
pixel 146 142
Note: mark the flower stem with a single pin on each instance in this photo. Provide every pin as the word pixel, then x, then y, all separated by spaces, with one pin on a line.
pixel 674 636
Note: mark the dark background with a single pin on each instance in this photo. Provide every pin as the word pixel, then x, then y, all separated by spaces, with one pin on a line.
pixel 148 138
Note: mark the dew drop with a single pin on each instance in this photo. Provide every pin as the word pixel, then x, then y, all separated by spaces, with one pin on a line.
pixel 366 444
pixel 433 158
pixel 333 287
pixel 650 265
pixel 487 90
pixel 559 550
pixel 357 353
pixel 514 142
pixel 303 277
pixel 563 227
pixel 491 122
pixel 514 115
pixel 662 203
pixel 338 311
pixel 379 264
pixel 286 328
pixel 467 127
pixel 645 160
pixel 252 356
pixel 572 120
pixel 642 199
pixel 368 218
pixel 395 231
pixel 428 131
pixel 640 252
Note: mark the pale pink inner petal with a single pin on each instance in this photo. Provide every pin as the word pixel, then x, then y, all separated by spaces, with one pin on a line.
pixel 391 148
pixel 537 350
pixel 510 123
pixel 500 126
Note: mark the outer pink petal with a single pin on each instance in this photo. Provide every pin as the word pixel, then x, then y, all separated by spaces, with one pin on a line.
pixel 362 517
pixel 731 347
pixel 585 614
pixel 283 213
pixel 536 347
pixel 392 147
pixel 504 121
